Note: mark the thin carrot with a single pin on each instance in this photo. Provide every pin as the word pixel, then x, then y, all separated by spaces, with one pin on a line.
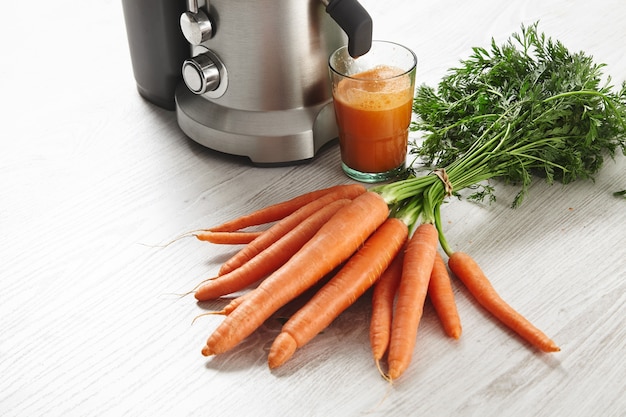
pixel 442 297
pixel 358 274
pixel 418 265
pixel 275 212
pixel 234 303
pixel 227 238
pixel 335 242
pixel 470 273
pixel 282 227
pixel 226 310
pixel 269 259
pixel 383 298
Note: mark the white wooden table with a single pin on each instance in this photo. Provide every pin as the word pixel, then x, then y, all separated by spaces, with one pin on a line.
pixel 92 177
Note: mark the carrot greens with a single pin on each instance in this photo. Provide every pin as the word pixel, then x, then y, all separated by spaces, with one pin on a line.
pixel 524 110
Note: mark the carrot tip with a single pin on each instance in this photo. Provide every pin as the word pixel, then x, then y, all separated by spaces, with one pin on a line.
pixel 552 348
pixel 206 351
pixel 455 334
pixel 396 369
pixel 282 349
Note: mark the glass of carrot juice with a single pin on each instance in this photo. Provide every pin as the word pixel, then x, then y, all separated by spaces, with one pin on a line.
pixel 373 98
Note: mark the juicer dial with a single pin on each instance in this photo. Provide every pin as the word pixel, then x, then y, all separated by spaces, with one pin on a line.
pixel 195 24
pixel 205 74
pixel 201 74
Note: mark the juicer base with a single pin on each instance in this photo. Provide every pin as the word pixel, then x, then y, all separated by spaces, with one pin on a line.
pixel 265 137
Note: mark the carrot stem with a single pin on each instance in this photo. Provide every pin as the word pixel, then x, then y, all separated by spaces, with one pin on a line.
pixel 442 237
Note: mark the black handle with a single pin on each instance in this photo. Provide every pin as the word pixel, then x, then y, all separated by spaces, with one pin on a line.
pixel 355 21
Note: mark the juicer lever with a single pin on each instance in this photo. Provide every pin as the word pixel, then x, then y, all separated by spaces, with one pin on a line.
pixel 192 6
pixel 355 21
pixel 195 24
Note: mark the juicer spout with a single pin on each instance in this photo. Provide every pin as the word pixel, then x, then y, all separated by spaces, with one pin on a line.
pixel 355 22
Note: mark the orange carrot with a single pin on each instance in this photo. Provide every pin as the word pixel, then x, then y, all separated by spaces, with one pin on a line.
pixel 234 303
pixel 271 258
pixel 468 271
pixel 279 229
pixel 383 298
pixel 353 279
pixel 275 212
pixel 418 265
pixel 335 242
pixel 227 309
pixel 442 297
pixel 227 238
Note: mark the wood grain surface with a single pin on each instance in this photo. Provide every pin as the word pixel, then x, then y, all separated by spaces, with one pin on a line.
pixel 94 180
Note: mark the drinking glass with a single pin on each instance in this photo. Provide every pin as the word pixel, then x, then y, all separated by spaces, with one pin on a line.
pixel 373 97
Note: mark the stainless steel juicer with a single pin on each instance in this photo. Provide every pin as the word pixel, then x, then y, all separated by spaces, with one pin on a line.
pixel 255 80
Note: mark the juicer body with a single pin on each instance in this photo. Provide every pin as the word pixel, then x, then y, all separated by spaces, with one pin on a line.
pixel 255 81
pixel 273 100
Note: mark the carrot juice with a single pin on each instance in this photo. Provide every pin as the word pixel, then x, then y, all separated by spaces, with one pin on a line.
pixel 373 110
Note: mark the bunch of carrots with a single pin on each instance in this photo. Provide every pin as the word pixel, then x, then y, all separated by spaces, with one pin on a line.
pixel 348 239
pixel 513 112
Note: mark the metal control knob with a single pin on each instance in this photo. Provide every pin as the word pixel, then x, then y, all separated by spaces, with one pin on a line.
pixel 195 24
pixel 201 74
